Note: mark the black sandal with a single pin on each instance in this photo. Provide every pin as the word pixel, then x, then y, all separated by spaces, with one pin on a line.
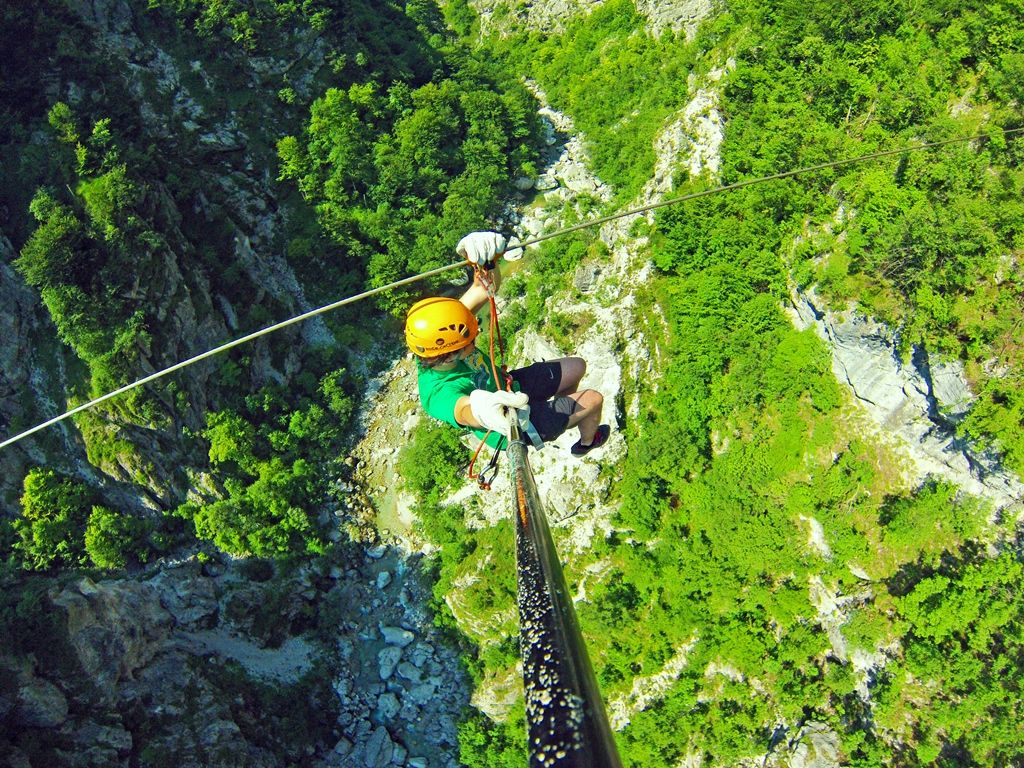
pixel 600 438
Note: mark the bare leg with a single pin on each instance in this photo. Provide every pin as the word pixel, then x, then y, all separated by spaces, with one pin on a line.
pixel 573 369
pixel 587 415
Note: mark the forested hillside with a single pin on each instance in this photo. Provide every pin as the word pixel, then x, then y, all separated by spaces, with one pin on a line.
pixel 778 586
pixel 774 580
pixel 175 175
pixel 163 210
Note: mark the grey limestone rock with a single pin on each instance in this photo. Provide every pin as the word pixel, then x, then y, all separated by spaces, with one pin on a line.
pixel 40 704
pixel 409 672
pixel 397 636
pixel 379 749
pixel 916 401
pixel 422 694
pixel 387 707
pixel 387 660
pixel 398 755
pixel 115 627
pixel 818 747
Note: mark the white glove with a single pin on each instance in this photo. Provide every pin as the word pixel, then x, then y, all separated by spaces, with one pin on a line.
pixel 492 408
pixel 481 248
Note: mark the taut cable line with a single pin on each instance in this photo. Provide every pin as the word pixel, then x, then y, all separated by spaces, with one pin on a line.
pixel 230 345
pixel 763 179
pixel 440 270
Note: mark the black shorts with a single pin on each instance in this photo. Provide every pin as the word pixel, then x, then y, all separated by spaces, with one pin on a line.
pixel 540 381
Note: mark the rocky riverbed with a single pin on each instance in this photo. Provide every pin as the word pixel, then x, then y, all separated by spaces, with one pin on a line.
pixel 238 663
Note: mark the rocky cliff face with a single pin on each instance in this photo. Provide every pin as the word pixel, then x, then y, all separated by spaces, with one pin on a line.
pixel 185 112
pixel 616 346
pixel 31 374
pixel 915 404
pixel 234 665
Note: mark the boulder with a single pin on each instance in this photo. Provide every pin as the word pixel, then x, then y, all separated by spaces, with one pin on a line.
pixel 585 278
pixel 422 694
pixel 39 704
pixel 379 749
pixel 397 636
pixel 192 600
pixel 387 707
pixel 409 672
pixel 387 660
pixel 419 654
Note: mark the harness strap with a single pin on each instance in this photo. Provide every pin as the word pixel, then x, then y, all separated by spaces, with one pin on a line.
pixel 526 426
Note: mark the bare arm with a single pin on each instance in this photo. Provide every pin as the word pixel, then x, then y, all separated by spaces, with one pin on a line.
pixel 464 415
pixel 476 296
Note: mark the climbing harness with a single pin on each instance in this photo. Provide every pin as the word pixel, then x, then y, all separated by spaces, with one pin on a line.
pixel 447 268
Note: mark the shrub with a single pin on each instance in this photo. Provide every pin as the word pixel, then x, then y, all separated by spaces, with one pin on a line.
pixel 112 538
pixel 54 511
pixel 433 461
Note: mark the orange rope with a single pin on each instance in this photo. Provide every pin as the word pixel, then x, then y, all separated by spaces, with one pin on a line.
pixel 499 372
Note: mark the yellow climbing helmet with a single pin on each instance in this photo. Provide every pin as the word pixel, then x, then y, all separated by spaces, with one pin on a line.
pixel 437 326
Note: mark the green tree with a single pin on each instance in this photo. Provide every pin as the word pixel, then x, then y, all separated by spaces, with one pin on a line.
pixel 484 743
pixel 112 539
pixel 434 461
pixel 54 513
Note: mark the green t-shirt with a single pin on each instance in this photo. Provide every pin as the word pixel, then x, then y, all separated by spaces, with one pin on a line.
pixel 441 390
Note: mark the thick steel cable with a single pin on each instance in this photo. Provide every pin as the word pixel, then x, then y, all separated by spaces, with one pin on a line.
pixel 440 270
pixel 566 722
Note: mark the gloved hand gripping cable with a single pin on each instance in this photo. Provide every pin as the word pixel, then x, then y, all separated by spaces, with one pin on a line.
pixel 490 408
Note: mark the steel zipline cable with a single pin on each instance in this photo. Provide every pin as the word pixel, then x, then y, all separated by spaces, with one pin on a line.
pixel 441 270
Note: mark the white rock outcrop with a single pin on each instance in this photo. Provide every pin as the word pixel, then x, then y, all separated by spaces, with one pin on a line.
pixel 552 16
pixel 915 404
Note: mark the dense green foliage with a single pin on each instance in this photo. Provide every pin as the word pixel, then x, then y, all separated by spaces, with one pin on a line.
pixel 394 171
pixel 62 527
pixel 744 447
pixel 433 462
pixel 390 139
pixel 271 455
pixel 55 511
pixel 617 82
pixel 965 636
pixel 81 255
pixel 765 550
pixel 113 538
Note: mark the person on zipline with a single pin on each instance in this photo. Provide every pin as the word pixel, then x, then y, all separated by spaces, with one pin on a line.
pixel 456 383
